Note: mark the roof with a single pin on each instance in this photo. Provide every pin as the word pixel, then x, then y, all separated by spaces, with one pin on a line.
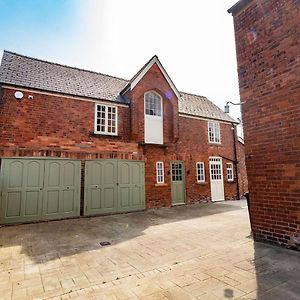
pixel 27 72
pixel 24 71
pixel 200 106
pixel 238 6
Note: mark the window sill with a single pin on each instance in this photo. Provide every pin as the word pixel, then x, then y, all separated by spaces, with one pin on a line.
pixel 202 183
pixel 161 184
pixel 216 144
pixel 150 144
pixel 230 181
pixel 98 134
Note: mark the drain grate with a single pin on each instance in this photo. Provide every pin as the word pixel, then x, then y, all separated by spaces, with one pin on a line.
pixel 105 244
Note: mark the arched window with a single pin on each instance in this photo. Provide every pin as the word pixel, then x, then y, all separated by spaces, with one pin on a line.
pixel 152 104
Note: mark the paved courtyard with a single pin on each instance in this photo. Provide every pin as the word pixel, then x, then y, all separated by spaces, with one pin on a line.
pixel 201 251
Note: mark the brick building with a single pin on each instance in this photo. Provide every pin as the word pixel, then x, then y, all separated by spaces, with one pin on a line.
pixel 268 53
pixel 75 142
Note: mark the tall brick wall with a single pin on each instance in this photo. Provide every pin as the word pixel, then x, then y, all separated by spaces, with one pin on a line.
pixel 268 54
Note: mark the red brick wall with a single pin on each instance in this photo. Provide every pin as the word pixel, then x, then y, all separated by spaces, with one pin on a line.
pixel 50 125
pixel 51 122
pixel 267 43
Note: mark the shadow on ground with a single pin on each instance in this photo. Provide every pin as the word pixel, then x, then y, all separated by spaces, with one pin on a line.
pixel 46 241
pixel 277 273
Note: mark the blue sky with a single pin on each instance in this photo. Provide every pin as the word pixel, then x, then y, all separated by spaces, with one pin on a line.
pixel 193 39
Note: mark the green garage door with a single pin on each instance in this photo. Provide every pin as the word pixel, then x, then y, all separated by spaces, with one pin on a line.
pixel 39 189
pixel 114 186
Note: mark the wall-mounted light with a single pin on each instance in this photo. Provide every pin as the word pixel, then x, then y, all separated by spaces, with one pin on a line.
pixel 30 97
pixel 19 95
pixel 226 107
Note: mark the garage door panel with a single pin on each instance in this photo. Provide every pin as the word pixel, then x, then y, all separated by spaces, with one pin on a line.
pixel 136 196
pixel 33 174
pixel 100 188
pixel 52 174
pixel 15 174
pixel 61 188
pixel 68 202
pixel 109 198
pixel 69 173
pixel 124 173
pixel 95 199
pixel 136 171
pixel 13 205
pixel 51 202
pixel 32 203
pixel 95 172
pixel 131 186
pixel 108 176
pixel 124 196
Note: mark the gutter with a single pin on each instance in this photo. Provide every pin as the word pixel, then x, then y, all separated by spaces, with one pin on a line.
pixel 238 6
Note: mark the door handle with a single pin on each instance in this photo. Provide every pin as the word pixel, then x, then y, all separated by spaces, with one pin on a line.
pixel 41 189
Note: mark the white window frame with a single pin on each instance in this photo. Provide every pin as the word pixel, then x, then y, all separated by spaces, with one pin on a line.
pixel 198 172
pixel 160 177
pixel 105 132
pixel 215 128
pixel 161 104
pixel 229 171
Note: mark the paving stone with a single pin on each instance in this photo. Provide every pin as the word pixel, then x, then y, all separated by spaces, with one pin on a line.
pixel 191 252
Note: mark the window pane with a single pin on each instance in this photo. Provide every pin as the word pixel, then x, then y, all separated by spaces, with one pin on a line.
pixel 152 104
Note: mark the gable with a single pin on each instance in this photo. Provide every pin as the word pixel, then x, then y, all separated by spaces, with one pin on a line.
pixel 144 70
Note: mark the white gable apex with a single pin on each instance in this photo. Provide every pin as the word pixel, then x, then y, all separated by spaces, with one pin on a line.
pixel 146 68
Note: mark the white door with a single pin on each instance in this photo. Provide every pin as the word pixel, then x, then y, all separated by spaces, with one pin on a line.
pixel 216 179
pixel 153 118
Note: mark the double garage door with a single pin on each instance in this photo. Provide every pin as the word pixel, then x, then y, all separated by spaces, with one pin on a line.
pixel 39 189
pixel 33 189
pixel 114 186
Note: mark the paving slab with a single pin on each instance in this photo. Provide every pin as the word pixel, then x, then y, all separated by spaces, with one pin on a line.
pixel 201 251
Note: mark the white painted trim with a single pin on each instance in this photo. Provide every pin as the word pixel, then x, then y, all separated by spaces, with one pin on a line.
pixel 204 119
pixel 103 101
pixel 232 179
pixel 222 177
pixel 153 117
pixel 106 119
pixel 163 172
pixel 200 163
pixel 147 68
pixel 214 143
